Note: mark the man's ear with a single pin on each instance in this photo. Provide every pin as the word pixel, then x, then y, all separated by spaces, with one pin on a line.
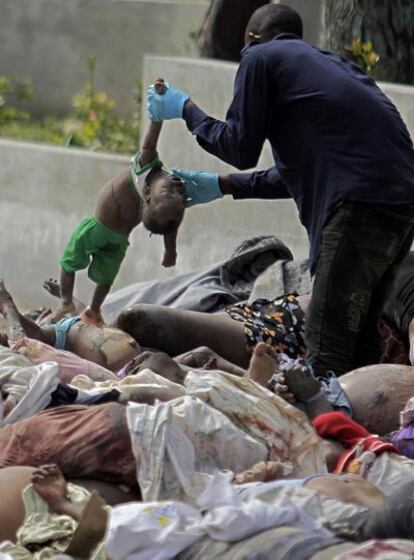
pixel 147 193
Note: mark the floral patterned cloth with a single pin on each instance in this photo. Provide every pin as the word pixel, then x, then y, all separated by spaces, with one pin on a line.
pixel 280 323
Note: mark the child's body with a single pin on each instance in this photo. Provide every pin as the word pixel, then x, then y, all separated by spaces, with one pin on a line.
pixel 144 193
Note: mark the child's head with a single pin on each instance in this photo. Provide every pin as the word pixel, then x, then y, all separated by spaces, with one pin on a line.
pixel 164 202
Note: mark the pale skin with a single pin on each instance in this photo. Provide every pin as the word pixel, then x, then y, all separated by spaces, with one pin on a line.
pixel 119 209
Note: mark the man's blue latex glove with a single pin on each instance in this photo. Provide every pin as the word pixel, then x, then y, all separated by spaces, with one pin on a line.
pixel 167 106
pixel 200 186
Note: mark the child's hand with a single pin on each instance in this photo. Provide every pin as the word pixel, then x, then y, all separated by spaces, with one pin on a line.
pixel 170 258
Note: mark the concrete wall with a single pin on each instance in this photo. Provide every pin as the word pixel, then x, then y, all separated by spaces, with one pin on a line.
pixel 313 16
pixel 49 42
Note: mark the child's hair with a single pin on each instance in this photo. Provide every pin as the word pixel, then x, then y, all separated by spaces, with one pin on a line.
pixel 163 216
pixel 155 223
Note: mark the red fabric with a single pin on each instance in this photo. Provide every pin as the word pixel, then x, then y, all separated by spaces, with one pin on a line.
pixel 85 441
pixel 337 425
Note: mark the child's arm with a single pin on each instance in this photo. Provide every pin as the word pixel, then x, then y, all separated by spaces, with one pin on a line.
pixel 170 249
pixel 149 147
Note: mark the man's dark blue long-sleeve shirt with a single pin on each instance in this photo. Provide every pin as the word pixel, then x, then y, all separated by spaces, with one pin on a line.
pixel 335 136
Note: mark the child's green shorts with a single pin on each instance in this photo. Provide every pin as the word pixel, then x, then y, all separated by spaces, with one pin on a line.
pixel 95 245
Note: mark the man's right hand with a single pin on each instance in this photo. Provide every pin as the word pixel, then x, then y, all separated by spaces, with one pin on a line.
pixel 201 187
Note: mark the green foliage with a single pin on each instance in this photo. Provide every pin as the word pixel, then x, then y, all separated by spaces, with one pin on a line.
pixel 21 90
pixel 364 55
pixel 92 124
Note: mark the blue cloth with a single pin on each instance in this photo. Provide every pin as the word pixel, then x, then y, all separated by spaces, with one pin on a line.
pixel 61 331
pixel 335 136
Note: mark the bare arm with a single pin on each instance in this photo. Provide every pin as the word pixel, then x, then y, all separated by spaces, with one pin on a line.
pixel 170 249
pixel 149 146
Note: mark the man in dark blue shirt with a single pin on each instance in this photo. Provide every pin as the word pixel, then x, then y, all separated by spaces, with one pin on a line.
pixel 342 152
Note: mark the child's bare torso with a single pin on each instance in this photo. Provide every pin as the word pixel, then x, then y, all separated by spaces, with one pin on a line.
pixel 117 206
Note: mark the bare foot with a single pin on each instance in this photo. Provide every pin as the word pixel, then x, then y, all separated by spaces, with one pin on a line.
pixel 300 382
pixel 52 287
pixel 92 318
pixel 263 364
pixel 50 484
pixel 62 311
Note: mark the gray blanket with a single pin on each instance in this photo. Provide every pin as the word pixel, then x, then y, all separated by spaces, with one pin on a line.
pixel 209 289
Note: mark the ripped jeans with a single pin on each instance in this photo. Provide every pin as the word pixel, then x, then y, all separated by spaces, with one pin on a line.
pixel 362 247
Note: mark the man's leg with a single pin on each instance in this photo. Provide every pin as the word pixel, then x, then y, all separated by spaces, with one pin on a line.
pixel 368 349
pixel 359 244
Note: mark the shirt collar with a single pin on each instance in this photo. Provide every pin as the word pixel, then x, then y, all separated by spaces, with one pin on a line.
pixel 278 37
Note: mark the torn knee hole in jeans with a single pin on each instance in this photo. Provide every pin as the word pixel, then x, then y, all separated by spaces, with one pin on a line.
pixel 356 310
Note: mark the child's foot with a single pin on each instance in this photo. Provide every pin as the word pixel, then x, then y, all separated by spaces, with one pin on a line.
pixel 263 364
pixel 92 317
pixel 62 311
pixel 50 484
pixel 52 287
pixel 300 382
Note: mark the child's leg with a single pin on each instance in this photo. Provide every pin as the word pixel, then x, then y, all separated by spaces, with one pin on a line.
pixel 67 282
pixel 92 314
pixel 66 307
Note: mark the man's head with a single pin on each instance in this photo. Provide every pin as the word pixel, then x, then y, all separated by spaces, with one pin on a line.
pixel 270 20
pixel 164 202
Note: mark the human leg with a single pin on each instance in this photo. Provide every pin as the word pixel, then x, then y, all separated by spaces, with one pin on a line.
pixel 205 358
pixel 359 244
pixel 92 314
pixel 19 325
pixel 53 288
pixel 368 349
pixel 176 331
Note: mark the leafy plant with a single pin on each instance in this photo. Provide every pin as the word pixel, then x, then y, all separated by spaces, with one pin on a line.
pixel 22 90
pixel 98 124
pixel 92 124
pixel 364 55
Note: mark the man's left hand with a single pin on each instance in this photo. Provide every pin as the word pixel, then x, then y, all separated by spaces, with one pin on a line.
pixel 167 106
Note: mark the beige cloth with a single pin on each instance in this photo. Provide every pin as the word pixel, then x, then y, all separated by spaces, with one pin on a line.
pixel 28 387
pixel 285 430
pixel 43 526
pixel 223 423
